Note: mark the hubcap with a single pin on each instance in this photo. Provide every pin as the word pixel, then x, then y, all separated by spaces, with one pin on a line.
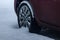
pixel 25 16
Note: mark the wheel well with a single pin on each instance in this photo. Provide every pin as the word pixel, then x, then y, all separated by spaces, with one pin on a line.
pixel 18 2
pixel 29 5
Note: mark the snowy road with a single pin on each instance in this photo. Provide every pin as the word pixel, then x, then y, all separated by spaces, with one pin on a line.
pixel 8 25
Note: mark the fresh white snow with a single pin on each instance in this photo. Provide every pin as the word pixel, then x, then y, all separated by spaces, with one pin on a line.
pixel 9 27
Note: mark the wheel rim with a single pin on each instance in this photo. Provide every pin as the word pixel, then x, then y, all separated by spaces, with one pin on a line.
pixel 25 16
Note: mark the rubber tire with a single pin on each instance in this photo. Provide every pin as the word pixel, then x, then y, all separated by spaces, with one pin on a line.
pixel 34 26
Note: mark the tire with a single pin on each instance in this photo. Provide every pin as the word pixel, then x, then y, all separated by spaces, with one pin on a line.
pixel 25 16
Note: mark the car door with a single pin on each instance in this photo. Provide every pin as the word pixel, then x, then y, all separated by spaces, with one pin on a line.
pixel 48 11
pixel 45 10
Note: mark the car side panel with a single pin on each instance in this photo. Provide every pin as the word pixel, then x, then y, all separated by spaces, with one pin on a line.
pixel 58 12
pixel 47 11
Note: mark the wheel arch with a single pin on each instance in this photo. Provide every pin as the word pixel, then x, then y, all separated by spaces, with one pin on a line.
pixel 16 4
pixel 29 4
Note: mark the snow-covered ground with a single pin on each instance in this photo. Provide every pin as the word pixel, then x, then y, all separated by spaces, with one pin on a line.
pixel 9 27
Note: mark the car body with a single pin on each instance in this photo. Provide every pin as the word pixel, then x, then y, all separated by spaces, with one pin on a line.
pixel 46 12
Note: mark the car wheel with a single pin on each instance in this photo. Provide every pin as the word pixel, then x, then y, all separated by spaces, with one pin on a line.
pixel 26 17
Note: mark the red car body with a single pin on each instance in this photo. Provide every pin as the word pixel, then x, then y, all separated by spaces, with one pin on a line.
pixel 47 12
